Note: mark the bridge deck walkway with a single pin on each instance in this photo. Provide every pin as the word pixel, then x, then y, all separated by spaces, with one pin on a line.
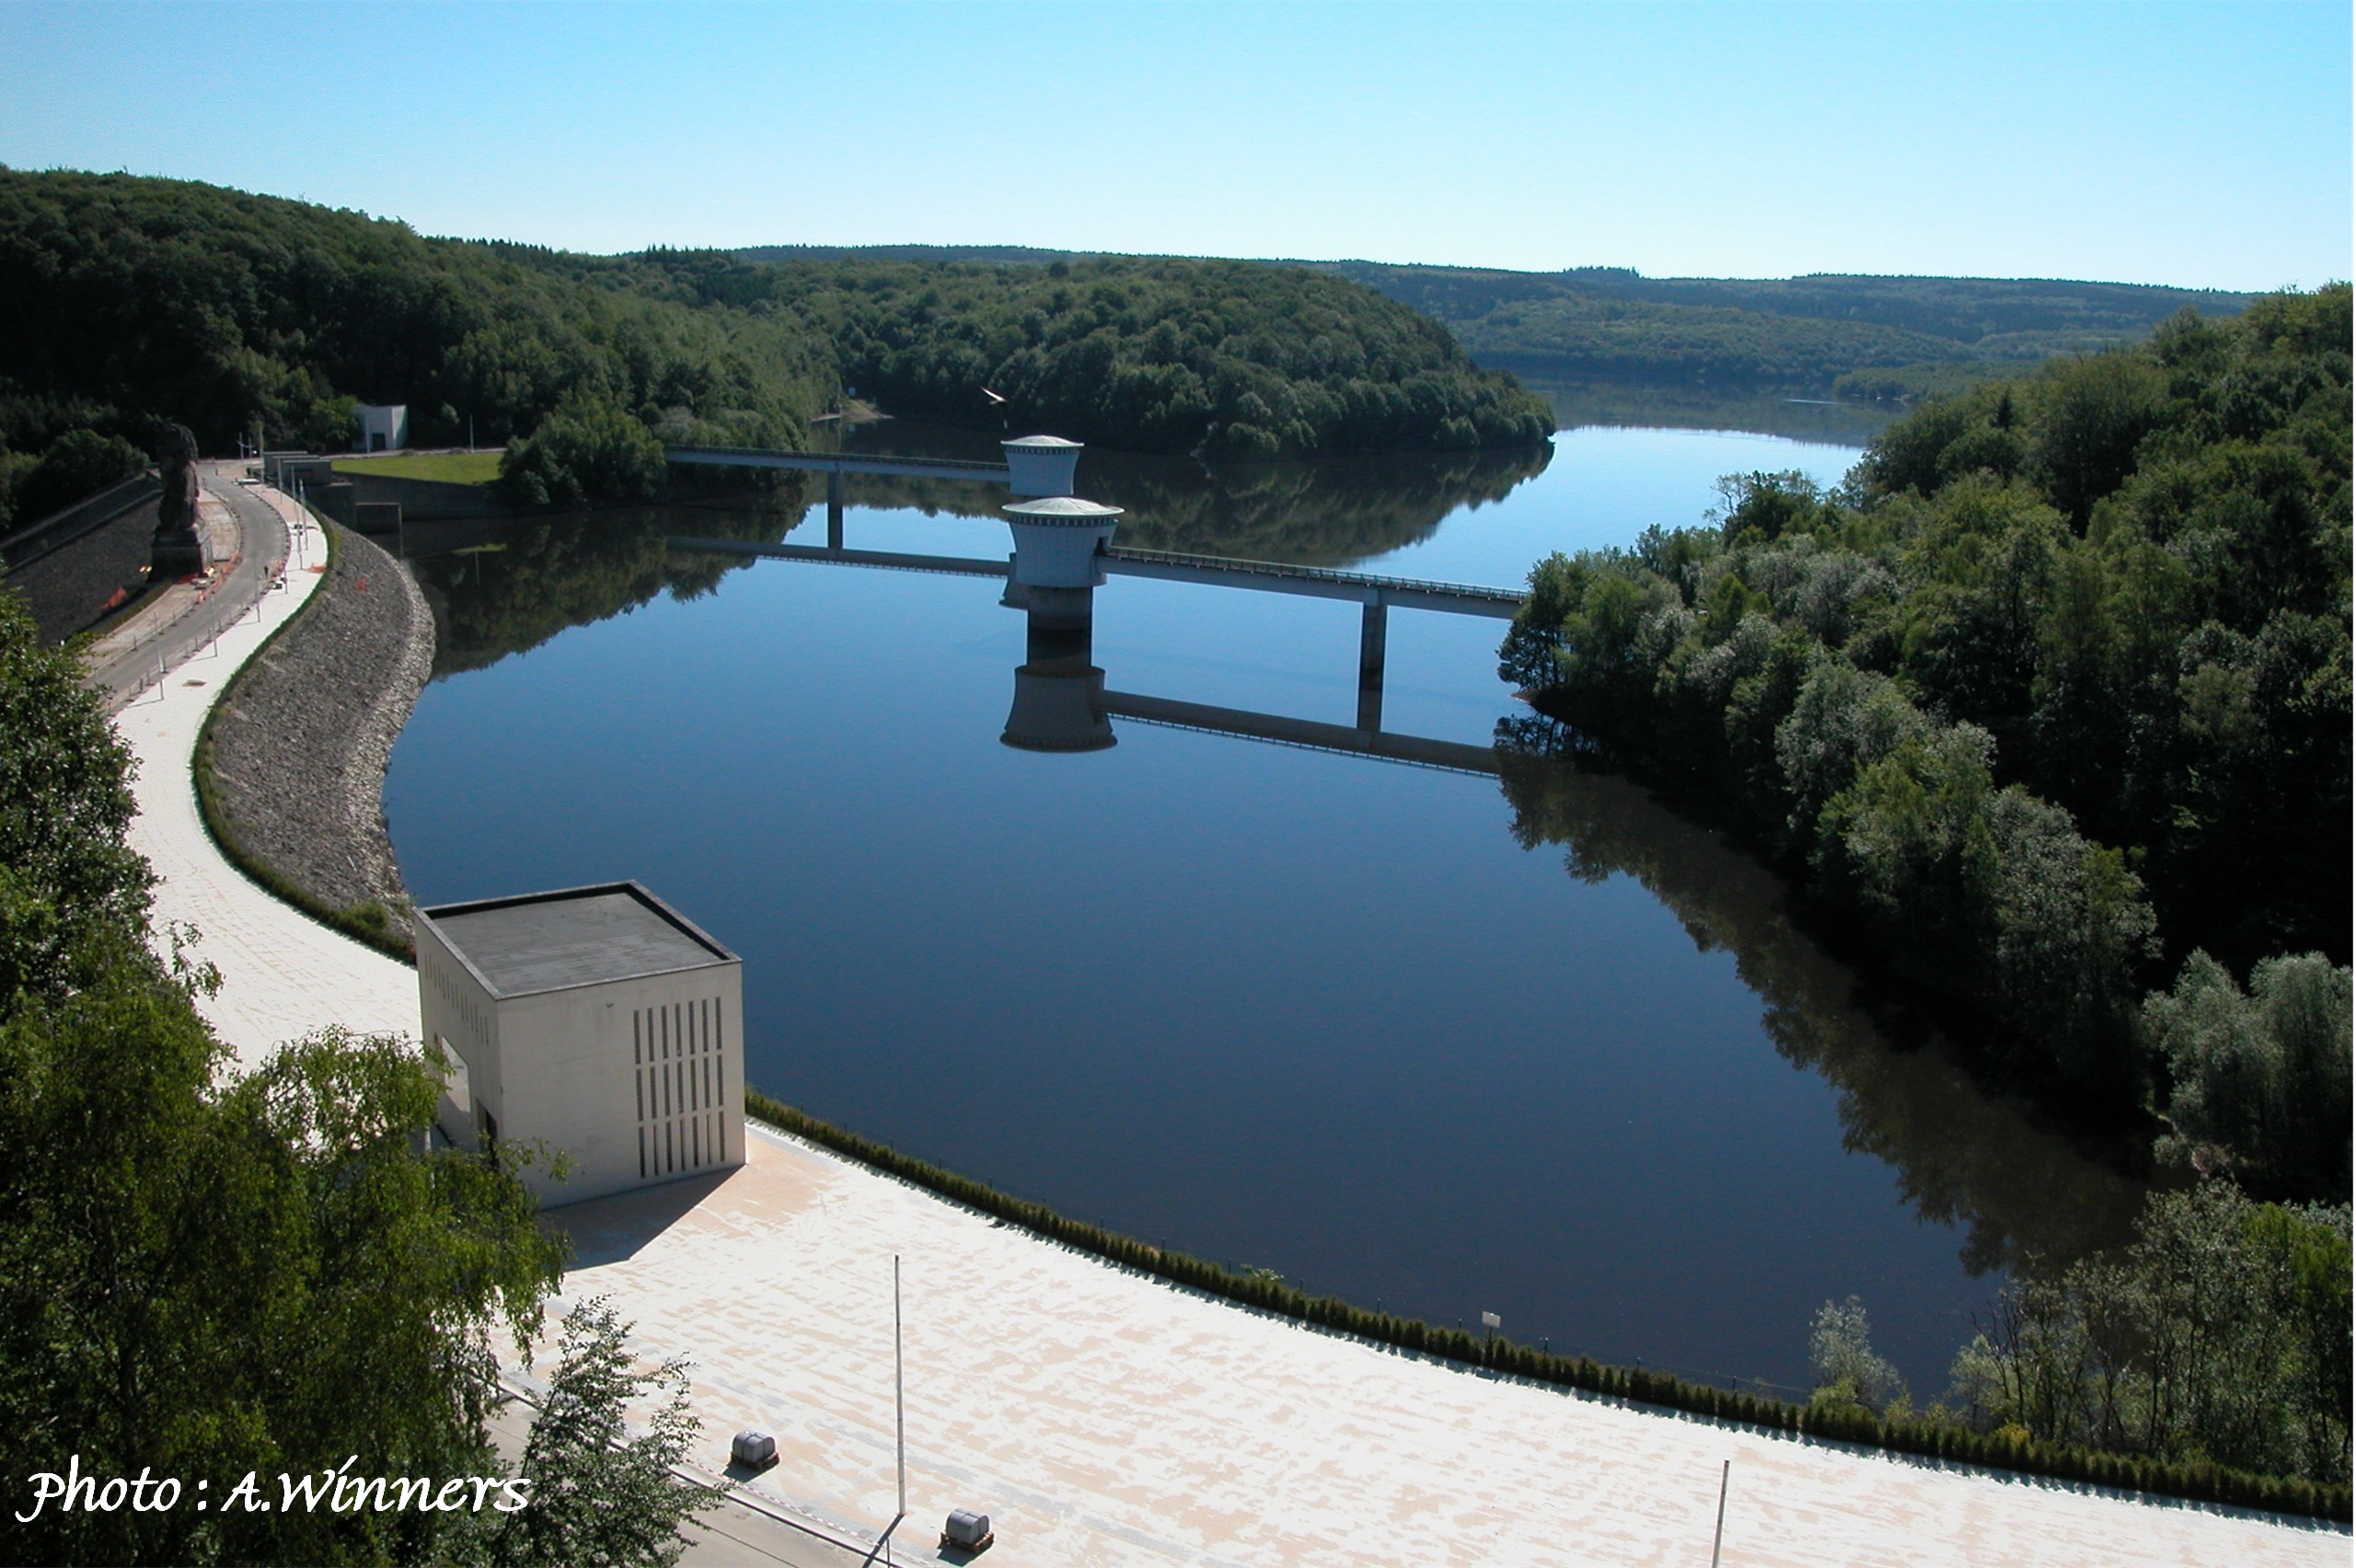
pixel 1221 571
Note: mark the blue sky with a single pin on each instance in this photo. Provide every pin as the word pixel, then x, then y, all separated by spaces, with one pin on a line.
pixel 2201 145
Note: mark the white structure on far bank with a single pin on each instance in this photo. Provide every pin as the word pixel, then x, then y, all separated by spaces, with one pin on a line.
pixel 597 1019
pixel 384 427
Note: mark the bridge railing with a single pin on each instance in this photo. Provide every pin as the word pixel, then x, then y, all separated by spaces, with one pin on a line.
pixel 1318 574
pixel 873 463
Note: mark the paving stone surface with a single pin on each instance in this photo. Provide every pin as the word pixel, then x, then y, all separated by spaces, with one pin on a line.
pixel 1099 1416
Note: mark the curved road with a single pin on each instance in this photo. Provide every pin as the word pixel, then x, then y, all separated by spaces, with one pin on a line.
pixel 181 622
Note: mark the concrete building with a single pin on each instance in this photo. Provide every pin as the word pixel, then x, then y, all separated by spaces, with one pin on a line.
pixel 595 1020
pixel 384 427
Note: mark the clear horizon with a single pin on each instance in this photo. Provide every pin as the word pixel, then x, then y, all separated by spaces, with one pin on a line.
pixel 2191 146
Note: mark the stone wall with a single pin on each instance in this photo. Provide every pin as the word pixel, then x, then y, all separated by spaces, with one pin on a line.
pixel 298 748
pixel 69 588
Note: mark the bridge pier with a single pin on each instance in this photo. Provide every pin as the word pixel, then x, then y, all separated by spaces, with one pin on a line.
pixel 1372 631
pixel 834 509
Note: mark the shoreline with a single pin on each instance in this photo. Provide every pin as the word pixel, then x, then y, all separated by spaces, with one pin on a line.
pixel 387 988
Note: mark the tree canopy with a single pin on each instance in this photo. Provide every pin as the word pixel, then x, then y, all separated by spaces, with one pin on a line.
pixel 1230 359
pixel 136 301
pixel 1864 336
pixel 2053 693
pixel 1814 334
pixel 209 1273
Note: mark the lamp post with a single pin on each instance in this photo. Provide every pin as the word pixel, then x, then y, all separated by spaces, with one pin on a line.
pixel 1718 1538
pixel 899 1394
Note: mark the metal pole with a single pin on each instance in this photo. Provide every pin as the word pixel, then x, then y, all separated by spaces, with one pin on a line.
pixel 899 1389
pixel 1718 1539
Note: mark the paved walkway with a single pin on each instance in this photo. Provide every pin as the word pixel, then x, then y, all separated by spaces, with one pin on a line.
pixel 1098 1416
pixel 282 974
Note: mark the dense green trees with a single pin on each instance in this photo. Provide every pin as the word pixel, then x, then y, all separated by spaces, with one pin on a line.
pixel 138 301
pixel 208 1272
pixel 68 881
pixel 64 469
pixel 1233 359
pixel 2258 1081
pixel 1883 336
pixel 2219 1333
pixel 135 301
pixel 2055 692
pixel 1892 338
pixel 587 448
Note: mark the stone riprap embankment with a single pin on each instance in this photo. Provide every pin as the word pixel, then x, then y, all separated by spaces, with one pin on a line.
pixel 299 748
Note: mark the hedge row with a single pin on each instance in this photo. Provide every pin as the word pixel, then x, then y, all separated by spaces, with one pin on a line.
pixel 2127 1472
pixel 233 849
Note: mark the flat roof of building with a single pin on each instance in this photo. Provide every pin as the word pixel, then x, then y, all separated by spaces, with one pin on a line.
pixel 577 936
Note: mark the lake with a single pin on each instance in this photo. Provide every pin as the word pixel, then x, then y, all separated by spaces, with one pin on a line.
pixel 1433 1041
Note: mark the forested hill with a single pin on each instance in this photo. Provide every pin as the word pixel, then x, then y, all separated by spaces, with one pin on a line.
pixel 1798 335
pixel 134 302
pixel 1234 359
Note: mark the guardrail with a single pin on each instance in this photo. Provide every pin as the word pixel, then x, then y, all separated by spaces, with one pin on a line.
pixel 833 462
pixel 195 631
pixel 1321 574
pixel 891 561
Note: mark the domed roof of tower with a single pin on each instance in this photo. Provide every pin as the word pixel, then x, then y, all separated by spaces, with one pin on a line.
pixel 1061 509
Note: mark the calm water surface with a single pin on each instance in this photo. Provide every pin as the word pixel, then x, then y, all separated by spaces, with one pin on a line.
pixel 1414 1038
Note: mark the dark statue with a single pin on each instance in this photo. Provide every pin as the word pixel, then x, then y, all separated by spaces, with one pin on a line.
pixel 178 550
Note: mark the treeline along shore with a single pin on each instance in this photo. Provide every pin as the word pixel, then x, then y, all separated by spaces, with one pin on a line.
pixel 136 301
pixel 2049 705
pixel 1824 334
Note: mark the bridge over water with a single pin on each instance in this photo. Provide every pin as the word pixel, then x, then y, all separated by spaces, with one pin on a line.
pixel 1057 589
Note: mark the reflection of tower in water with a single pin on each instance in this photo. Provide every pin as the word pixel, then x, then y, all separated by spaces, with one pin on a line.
pixel 1057 688
pixel 1052 580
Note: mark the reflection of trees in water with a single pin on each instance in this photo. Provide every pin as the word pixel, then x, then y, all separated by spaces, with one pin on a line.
pixel 1963 1156
pixel 1322 512
pixel 519 582
pixel 1837 423
pixel 510 585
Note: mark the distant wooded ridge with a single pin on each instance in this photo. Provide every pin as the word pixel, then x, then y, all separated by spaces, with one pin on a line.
pixel 137 303
pixel 1821 333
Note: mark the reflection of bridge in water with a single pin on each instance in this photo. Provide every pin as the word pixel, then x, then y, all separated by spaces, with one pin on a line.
pixel 1063 553
pixel 1054 646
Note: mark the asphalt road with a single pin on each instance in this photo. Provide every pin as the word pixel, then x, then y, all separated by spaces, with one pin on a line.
pixel 180 628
